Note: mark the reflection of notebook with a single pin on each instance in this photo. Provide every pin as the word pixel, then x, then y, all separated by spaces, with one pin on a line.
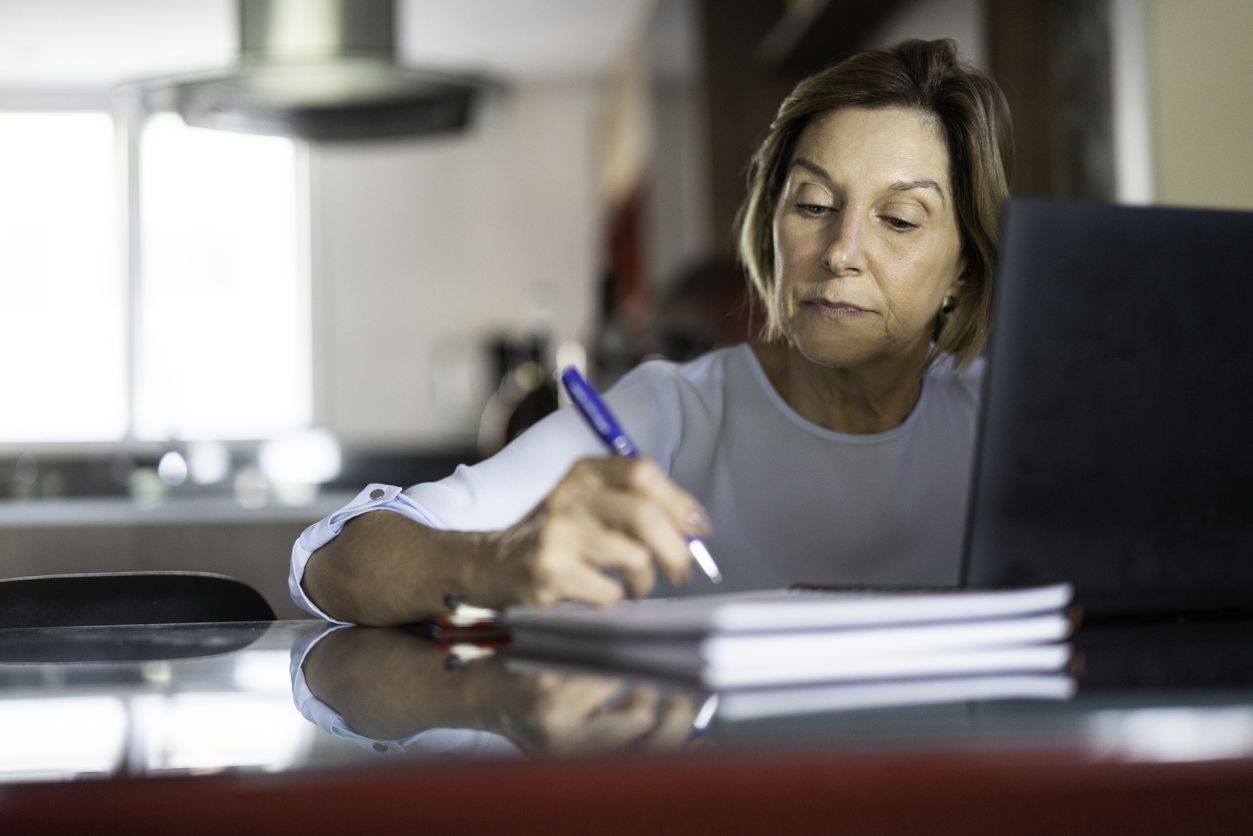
pixel 1116 444
pixel 813 699
pixel 730 662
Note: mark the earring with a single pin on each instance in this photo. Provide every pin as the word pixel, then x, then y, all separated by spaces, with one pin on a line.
pixel 948 305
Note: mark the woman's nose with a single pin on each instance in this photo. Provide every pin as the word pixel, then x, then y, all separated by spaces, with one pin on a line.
pixel 844 251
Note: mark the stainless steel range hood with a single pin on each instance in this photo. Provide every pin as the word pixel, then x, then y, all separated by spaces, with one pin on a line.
pixel 319 70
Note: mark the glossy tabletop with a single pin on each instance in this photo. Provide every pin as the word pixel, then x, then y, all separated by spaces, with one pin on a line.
pixel 297 726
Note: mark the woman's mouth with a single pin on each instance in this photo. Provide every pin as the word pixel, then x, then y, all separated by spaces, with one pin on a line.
pixel 835 310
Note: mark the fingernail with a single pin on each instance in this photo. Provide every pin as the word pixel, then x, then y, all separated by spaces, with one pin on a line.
pixel 698 519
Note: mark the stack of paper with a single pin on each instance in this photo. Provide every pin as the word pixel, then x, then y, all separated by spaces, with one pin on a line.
pixel 787 637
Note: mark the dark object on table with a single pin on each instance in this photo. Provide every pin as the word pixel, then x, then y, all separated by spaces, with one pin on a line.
pixel 1114 449
pixel 1197 654
pixel 128 599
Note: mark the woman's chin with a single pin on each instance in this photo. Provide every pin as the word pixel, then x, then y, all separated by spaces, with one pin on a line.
pixel 847 351
pixel 823 350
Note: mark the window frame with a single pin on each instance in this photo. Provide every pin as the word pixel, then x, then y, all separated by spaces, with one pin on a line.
pixel 129 115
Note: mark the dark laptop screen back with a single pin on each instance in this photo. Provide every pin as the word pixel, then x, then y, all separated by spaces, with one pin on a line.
pixel 1116 443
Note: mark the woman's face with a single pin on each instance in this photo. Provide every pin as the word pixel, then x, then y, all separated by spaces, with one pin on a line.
pixel 865 237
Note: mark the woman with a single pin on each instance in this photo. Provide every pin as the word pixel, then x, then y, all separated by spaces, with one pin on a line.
pixel 836 451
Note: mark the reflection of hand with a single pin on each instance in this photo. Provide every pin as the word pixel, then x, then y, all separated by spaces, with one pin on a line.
pixel 582 714
pixel 390 684
pixel 619 514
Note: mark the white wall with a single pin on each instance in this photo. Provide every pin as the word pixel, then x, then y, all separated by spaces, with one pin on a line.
pixel 1132 102
pixel 1201 66
pixel 424 249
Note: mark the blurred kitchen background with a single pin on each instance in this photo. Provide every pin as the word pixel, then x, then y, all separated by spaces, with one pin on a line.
pixel 211 338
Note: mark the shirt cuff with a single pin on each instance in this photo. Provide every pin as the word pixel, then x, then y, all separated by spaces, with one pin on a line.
pixel 375 497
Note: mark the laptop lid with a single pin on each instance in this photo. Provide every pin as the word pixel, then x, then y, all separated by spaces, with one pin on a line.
pixel 1116 440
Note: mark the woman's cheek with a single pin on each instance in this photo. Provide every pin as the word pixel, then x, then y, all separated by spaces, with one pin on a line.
pixel 783 301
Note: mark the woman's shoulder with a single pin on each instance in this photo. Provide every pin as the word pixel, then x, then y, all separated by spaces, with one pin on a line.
pixel 661 402
pixel 675 397
pixel 703 376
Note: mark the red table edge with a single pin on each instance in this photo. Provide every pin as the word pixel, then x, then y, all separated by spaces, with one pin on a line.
pixel 726 793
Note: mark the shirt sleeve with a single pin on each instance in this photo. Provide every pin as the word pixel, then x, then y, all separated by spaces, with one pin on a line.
pixel 499 491
pixel 375 497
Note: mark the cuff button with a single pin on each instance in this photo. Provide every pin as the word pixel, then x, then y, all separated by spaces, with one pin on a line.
pixel 376 494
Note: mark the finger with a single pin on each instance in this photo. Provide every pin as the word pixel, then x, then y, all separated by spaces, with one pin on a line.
pixel 583 582
pixel 643 520
pixel 610 549
pixel 645 477
pixel 689 516
pixel 559 570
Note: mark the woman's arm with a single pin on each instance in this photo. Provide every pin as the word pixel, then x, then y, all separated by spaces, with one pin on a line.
pixel 623 515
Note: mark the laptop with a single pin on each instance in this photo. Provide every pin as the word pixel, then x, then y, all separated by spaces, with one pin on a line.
pixel 1116 436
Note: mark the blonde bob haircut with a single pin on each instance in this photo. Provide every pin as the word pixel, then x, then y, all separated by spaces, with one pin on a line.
pixel 971 113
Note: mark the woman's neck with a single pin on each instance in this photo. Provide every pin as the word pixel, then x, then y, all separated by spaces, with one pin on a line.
pixel 858 401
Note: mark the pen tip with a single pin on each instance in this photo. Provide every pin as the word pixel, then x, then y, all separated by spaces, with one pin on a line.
pixel 704 559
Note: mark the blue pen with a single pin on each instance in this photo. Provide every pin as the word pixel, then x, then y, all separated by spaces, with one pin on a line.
pixel 600 419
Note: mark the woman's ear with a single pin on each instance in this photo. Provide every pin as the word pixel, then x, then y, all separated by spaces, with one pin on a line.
pixel 959 284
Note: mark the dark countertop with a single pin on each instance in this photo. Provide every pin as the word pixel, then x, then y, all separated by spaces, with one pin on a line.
pixel 1156 736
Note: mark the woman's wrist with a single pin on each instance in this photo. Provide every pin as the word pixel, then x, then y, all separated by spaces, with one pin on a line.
pixel 498 572
pixel 461 569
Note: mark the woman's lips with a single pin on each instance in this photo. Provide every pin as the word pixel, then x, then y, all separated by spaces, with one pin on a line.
pixel 835 310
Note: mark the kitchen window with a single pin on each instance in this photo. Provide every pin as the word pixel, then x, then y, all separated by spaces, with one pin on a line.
pixel 62 280
pixel 207 336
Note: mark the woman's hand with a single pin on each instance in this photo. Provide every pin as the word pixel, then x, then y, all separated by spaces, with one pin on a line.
pixel 616 514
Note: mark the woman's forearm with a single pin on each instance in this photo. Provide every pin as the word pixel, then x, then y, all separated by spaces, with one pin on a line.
pixel 386 569
pixel 617 515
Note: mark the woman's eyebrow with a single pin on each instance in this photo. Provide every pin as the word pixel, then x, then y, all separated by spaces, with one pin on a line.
pixel 812 167
pixel 910 185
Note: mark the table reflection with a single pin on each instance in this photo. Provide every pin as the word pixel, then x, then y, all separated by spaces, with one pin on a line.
pixel 296 696
pixel 1148 691
pixel 389 689
pixel 99 702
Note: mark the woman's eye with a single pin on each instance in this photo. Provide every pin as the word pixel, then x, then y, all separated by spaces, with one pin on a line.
pixel 813 208
pixel 900 223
